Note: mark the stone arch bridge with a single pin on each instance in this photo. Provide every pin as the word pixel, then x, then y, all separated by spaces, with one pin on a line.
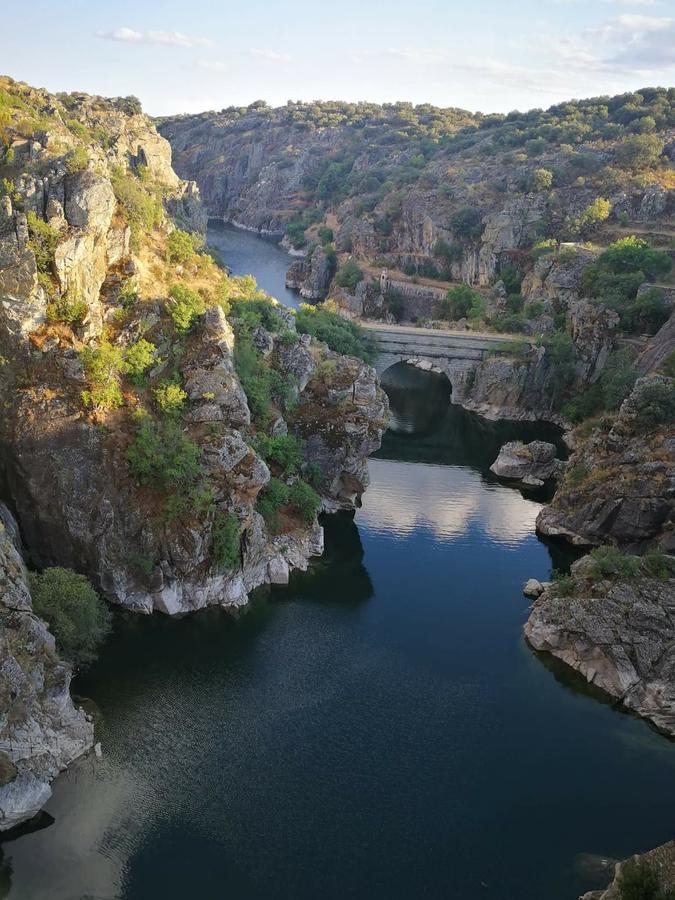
pixel 451 353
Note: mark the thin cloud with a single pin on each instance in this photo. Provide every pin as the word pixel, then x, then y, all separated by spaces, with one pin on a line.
pixel 165 38
pixel 272 56
pixel 212 65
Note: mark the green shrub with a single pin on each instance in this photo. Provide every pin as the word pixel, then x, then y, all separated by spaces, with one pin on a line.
pixel 509 323
pixel 542 180
pixel 78 618
pixel 647 313
pixel 633 254
pixel 462 302
pixel 349 274
pixel 162 457
pixel 657 404
pixel 596 212
pixel 142 207
pixel 326 235
pixel 642 151
pixel 564 584
pixel 658 564
pixel 561 359
pixel 256 310
pixel 575 475
pixel 43 242
pixel 341 335
pixel 138 358
pixel 225 542
pixel 304 500
pixel 546 245
pixel 271 499
pixel 284 451
pixel 534 309
pixel 102 366
pixel 639 881
pixel 128 296
pixel 668 365
pixel 254 375
pixel 67 309
pixel 184 306
pixel 180 247
pixel 77 160
pixel 609 562
pixel 513 281
pixel 466 222
pixel 170 397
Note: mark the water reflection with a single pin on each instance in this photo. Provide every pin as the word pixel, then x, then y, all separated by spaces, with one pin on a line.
pixel 417 399
pixel 447 500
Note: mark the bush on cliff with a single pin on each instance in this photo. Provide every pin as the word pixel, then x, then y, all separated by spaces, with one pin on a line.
pixel 657 404
pixel 462 302
pixel 43 241
pixel 284 452
pixel 349 274
pixel 102 366
pixel 614 278
pixel 162 457
pixel 341 335
pixel 184 305
pixel 640 881
pixel 225 550
pixel 304 500
pixel 180 247
pixel 270 500
pixel 77 616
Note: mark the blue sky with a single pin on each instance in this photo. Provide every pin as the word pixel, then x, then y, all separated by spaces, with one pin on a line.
pixel 192 55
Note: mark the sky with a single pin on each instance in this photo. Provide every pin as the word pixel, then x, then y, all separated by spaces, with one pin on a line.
pixel 195 55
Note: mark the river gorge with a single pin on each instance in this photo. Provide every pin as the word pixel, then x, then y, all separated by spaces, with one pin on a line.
pixel 377 729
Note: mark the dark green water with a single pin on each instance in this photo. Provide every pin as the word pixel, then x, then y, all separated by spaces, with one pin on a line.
pixel 378 730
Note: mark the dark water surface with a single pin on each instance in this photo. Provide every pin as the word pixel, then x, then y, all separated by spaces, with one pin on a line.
pixel 378 730
pixel 244 252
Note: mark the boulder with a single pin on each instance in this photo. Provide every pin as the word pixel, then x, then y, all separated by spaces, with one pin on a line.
pixel 532 463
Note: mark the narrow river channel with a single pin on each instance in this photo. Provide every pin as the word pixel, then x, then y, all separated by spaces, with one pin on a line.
pixel 377 730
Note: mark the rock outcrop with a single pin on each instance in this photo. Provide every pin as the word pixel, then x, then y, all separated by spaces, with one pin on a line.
pixel 312 277
pixel 617 632
pixel 532 464
pixel 41 732
pixel 620 484
pixel 660 861
pixel 85 276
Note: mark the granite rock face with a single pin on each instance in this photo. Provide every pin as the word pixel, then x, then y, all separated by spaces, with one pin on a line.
pixel 65 460
pixel 661 860
pixel 41 732
pixel 532 463
pixel 618 634
pixel 255 167
pixel 620 484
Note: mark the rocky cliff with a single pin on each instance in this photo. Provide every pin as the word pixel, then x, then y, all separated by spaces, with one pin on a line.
pixel 128 448
pixel 613 621
pixel 620 480
pixel 41 732
pixel 440 192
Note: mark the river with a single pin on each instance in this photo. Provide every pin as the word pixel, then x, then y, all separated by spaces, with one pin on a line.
pixel 377 730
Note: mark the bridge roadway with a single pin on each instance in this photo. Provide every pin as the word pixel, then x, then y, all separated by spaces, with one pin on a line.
pixel 433 348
